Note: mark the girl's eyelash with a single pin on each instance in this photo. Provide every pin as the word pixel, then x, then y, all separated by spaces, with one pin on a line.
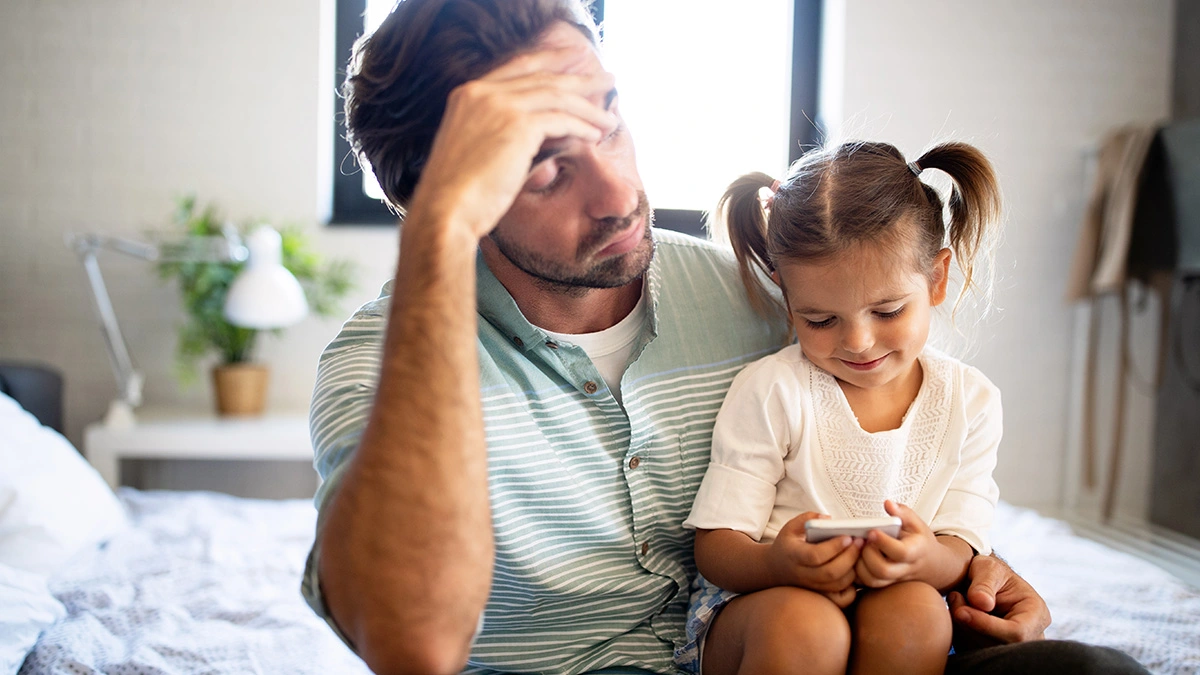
pixel 825 323
pixel 820 324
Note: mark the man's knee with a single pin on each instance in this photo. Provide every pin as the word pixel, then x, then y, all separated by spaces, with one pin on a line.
pixel 1052 657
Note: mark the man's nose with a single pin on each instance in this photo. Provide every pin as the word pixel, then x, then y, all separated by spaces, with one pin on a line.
pixel 613 192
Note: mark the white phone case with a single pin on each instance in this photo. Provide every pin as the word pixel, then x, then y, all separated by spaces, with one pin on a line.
pixel 821 529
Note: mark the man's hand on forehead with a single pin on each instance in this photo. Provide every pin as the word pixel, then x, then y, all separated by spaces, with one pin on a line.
pixel 556 146
pixel 496 128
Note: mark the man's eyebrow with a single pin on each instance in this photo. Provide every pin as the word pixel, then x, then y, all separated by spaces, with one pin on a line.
pixel 609 98
pixel 545 154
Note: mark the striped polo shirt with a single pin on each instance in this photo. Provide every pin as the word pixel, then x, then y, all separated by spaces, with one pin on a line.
pixel 592 566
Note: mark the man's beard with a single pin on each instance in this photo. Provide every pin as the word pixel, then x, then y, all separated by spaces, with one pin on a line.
pixel 614 272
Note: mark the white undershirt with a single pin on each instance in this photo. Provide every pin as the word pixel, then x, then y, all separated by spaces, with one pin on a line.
pixel 611 348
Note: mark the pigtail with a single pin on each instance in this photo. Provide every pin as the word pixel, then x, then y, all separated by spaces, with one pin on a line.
pixel 740 216
pixel 975 211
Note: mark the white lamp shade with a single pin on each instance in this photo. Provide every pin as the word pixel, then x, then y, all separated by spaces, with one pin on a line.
pixel 265 295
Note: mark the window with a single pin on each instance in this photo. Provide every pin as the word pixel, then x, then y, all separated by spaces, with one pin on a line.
pixel 698 90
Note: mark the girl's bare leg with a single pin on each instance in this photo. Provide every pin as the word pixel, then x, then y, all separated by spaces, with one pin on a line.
pixel 904 628
pixel 778 630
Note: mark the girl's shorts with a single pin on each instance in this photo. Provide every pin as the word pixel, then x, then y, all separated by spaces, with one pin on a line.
pixel 706 602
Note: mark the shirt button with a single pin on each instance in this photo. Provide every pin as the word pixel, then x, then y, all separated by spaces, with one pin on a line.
pixel 590 387
pixel 633 463
pixel 518 342
pixel 645 547
pixel 552 345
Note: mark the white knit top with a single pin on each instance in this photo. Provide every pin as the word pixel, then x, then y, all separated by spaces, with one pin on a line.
pixel 786 442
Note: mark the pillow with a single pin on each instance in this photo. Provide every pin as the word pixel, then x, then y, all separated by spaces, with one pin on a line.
pixel 29 609
pixel 53 504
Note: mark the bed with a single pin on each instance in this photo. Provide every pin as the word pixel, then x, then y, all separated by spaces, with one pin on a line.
pixel 197 582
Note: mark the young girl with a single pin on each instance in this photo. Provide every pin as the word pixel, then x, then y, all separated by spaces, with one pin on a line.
pixel 859 418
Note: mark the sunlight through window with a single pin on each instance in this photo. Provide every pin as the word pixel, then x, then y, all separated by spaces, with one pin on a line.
pixel 704 90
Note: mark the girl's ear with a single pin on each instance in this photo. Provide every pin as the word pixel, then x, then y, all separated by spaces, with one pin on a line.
pixel 775 277
pixel 939 278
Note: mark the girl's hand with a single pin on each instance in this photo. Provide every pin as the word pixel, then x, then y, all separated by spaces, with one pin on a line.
pixel 886 560
pixel 827 567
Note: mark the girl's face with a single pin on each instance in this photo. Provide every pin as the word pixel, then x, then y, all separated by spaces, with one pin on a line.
pixel 863 316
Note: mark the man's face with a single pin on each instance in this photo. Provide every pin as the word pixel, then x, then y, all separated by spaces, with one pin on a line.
pixel 581 220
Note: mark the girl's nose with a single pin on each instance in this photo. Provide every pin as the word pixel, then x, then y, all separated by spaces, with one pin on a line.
pixel 857 337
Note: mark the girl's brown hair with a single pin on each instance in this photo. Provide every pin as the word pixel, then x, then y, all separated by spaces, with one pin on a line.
pixel 858 193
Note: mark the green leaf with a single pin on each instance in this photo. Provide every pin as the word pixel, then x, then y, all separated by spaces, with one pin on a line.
pixel 204 285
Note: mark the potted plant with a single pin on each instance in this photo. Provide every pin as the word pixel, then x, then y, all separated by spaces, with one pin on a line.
pixel 239 383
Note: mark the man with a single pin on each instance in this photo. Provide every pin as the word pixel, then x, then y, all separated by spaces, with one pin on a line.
pixel 520 422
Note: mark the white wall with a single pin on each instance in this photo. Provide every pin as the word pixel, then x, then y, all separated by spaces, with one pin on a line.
pixel 1035 85
pixel 114 107
pixel 111 109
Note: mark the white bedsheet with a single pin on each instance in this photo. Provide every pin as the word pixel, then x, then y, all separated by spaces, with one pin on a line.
pixel 210 583
pixel 1102 596
pixel 201 583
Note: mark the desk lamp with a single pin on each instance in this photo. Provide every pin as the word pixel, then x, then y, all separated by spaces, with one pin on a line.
pixel 264 295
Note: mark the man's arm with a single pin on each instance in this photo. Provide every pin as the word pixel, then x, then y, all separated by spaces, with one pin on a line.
pixel 999 607
pixel 406 548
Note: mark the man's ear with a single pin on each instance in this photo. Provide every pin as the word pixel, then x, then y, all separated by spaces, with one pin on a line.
pixel 939 277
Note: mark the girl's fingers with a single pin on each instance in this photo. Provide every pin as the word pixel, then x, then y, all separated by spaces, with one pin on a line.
pixel 843 598
pixel 909 520
pixel 816 555
pixel 891 547
pixel 874 569
pixel 864 575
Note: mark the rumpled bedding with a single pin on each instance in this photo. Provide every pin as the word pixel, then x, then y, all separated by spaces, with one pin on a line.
pixel 1102 596
pixel 207 583
pixel 202 583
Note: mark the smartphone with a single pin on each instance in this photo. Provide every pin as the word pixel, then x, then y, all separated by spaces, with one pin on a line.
pixel 817 530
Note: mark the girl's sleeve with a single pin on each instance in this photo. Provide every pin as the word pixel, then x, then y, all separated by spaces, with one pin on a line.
pixel 754 432
pixel 970 503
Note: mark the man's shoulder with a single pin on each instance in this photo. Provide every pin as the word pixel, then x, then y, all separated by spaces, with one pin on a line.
pixel 681 256
pixel 678 245
pixel 379 306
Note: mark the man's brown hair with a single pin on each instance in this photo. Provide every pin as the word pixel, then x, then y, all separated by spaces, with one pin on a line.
pixel 400 76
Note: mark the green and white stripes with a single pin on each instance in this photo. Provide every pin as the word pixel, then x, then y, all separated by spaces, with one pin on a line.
pixel 592 567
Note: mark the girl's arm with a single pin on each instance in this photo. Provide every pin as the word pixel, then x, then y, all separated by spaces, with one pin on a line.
pixel 732 560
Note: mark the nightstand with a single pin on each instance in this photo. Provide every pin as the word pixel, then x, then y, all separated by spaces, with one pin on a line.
pixel 165 434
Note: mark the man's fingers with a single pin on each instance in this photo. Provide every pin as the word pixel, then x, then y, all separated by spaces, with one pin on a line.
pixel 993 626
pixel 555 60
pixel 981 596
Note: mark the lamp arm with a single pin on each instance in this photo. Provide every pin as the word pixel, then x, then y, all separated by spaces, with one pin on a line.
pixel 129 381
pixel 227 247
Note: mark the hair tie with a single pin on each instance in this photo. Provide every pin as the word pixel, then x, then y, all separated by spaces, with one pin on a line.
pixel 915 168
pixel 774 189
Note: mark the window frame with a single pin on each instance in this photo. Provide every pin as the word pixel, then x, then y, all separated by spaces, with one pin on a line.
pixel 352 206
